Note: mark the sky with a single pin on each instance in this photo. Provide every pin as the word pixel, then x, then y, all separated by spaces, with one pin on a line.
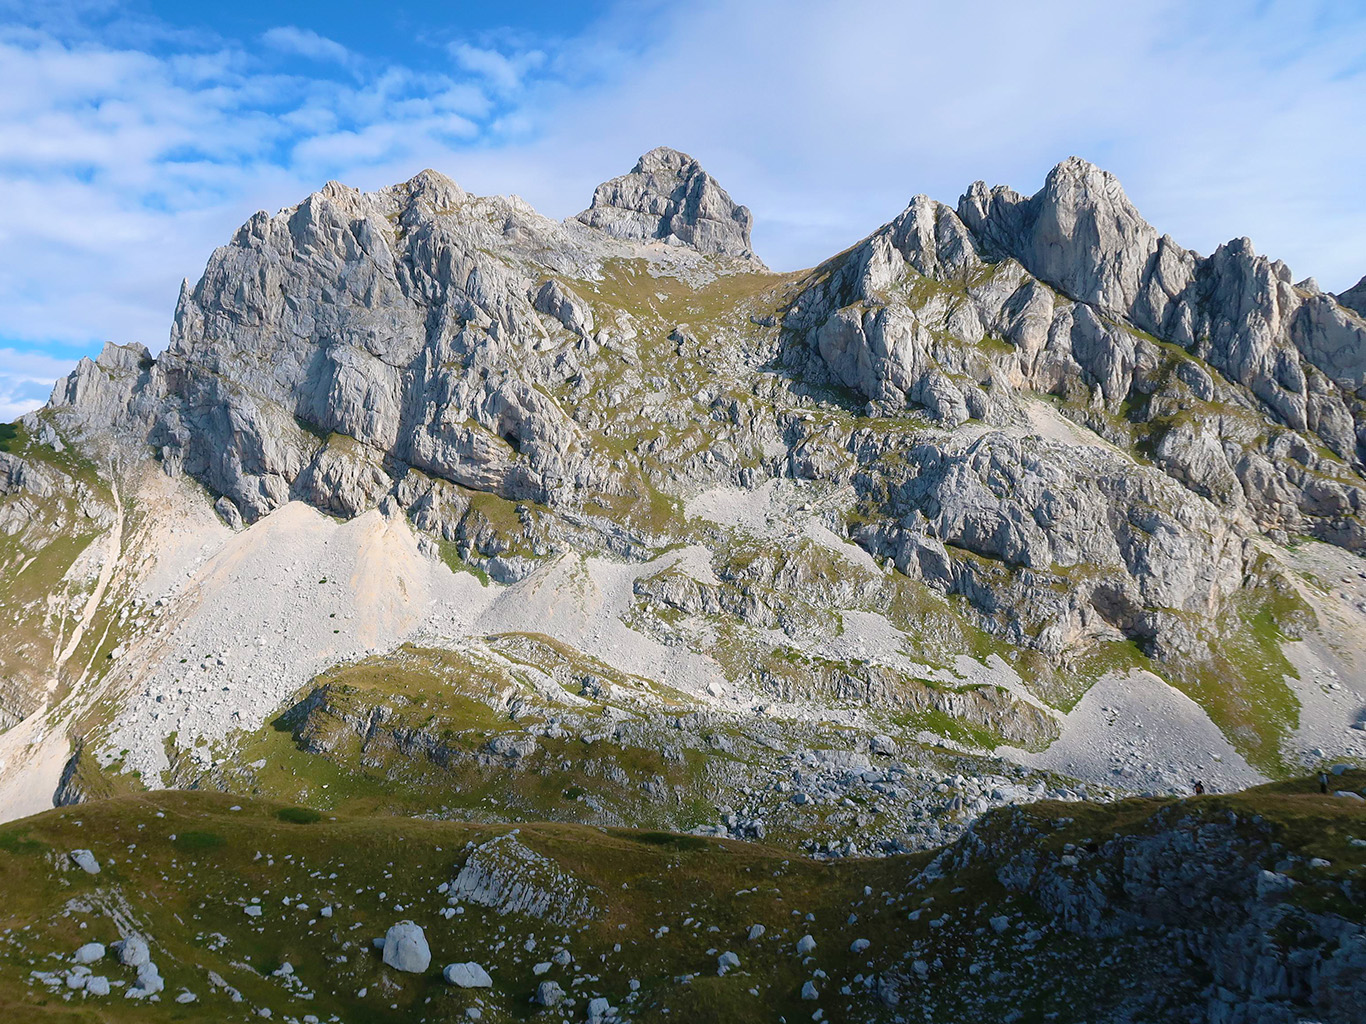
pixel 136 136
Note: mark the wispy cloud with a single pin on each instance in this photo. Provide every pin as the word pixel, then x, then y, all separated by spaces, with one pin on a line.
pixel 504 72
pixel 304 42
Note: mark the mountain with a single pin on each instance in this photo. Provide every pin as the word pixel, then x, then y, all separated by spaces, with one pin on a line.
pixel 438 508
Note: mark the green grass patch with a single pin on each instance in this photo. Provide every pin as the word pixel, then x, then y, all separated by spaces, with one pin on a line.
pixel 199 840
pixel 299 815
pixel 671 840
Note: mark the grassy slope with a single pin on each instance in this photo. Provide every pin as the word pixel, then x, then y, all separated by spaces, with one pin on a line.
pixel 38 603
pixel 181 865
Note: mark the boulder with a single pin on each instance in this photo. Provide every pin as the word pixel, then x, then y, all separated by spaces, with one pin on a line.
pixel 149 982
pixel 548 993
pixel 85 860
pixel 467 975
pixel 406 949
pixel 133 951
pixel 89 953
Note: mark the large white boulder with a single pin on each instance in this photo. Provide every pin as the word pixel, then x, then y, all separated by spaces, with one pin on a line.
pixel 85 860
pixel 406 949
pixel 133 951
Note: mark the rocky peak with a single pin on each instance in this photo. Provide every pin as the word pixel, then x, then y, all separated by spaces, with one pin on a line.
pixel 669 197
pixel 1081 233
pixel 1354 298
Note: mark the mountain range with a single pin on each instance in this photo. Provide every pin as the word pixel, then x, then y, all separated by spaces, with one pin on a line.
pixel 1016 519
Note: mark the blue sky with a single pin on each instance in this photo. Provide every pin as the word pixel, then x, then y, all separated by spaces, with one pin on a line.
pixel 135 137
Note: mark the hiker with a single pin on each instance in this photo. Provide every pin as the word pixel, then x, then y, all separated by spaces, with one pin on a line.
pixel 1199 788
pixel 1323 782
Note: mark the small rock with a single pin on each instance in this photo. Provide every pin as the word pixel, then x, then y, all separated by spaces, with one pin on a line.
pixel 756 931
pixel 883 745
pixel 97 985
pixel 809 991
pixel 725 962
pixel 805 945
pixel 859 945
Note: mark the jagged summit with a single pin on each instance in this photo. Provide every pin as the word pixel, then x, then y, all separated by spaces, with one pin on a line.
pixel 1080 232
pixel 669 197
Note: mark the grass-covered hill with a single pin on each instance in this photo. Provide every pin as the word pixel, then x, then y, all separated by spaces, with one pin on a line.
pixel 1248 906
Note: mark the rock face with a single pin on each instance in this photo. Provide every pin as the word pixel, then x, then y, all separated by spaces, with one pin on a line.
pixel 1240 386
pixel 668 197
pixel 1145 551
pixel 505 874
pixel 1197 883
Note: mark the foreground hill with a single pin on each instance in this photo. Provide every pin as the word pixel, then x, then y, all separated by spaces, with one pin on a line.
pixel 1247 907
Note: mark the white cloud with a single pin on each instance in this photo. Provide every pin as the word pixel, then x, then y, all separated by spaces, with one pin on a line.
pixel 124 158
pixel 1223 119
pixel 304 42
pixel 26 379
